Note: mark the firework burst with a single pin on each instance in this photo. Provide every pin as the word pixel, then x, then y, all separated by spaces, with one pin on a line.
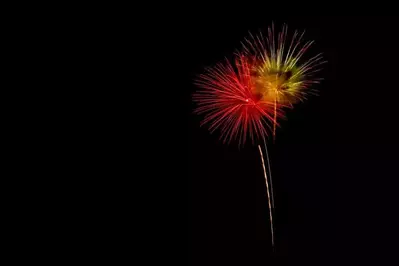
pixel 280 74
pixel 232 103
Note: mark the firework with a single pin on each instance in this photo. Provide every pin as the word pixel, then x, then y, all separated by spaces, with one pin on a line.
pixel 232 103
pixel 245 97
pixel 280 73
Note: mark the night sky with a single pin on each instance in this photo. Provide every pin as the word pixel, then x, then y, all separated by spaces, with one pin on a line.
pixel 334 162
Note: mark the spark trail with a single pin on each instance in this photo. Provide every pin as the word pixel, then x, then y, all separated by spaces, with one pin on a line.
pixel 268 195
pixel 270 176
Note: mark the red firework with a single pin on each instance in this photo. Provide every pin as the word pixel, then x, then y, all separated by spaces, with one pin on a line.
pixel 231 103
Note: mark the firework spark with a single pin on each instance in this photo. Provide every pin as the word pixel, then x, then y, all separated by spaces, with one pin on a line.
pixel 280 73
pixel 232 103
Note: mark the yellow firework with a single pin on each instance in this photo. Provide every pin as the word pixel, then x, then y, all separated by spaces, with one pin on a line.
pixel 281 73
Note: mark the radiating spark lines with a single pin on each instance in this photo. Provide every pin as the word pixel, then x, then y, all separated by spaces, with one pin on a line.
pixel 280 75
pixel 230 102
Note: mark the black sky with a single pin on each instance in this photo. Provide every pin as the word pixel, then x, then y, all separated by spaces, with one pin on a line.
pixel 334 163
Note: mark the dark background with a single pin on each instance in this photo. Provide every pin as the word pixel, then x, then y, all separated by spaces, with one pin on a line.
pixel 334 162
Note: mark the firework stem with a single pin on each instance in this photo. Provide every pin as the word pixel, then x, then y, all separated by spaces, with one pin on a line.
pixel 270 176
pixel 268 195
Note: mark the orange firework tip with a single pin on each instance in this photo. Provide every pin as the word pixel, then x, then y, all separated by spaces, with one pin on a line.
pixel 231 103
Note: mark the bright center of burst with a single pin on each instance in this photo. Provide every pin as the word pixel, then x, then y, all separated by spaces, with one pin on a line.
pixel 250 101
pixel 268 85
